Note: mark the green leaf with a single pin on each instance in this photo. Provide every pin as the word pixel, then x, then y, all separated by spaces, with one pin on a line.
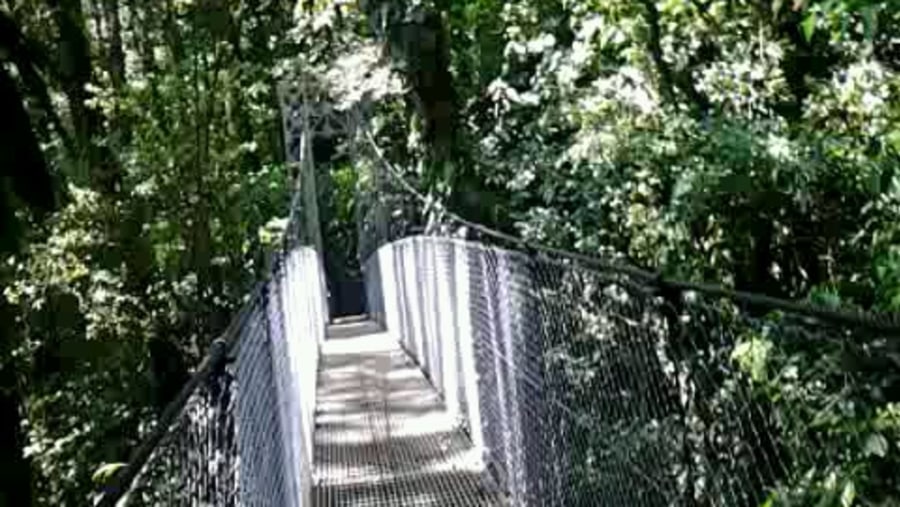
pixel 105 472
pixel 893 139
pixel 776 6
pixel 870 21
pixel 830 483
pixel 808 26
pixel 876 445
pixel 829 493
pixel 848 494
pixel 752 356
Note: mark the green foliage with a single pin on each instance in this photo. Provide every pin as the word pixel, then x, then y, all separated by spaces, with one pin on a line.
pixel 752 356
pixel 340 224
pixel 120 292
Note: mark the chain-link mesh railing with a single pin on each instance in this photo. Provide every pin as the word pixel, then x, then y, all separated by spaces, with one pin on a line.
pixel 240 433
pixel 586 387
pixel 586 383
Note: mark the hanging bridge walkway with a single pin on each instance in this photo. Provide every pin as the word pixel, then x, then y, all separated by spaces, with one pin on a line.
pixel 383 434
pixel 490 376
pixel 491 372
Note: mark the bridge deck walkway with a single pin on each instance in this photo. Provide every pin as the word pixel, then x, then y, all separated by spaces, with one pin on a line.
pixel 383 436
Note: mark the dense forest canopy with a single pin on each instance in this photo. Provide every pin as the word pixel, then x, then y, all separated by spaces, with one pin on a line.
pixel 751 143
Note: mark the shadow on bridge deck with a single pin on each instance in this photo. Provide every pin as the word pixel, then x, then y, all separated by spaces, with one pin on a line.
pixel 353 327
pixel 383 436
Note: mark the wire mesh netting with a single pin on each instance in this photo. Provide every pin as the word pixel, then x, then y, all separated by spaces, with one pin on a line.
pixel 243 433
pixel 197 458
pixel 589 388
pixel 585 383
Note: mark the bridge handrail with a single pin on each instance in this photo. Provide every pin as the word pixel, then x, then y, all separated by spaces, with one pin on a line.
pixel 886 322
pixel 213 361
pixel 218 354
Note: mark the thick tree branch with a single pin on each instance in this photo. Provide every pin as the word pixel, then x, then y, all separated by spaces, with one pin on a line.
pixel 666 83
pixel 30 63
pixel 75 71
pixel 669 79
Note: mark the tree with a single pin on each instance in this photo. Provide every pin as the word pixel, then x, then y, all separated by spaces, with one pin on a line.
pixel 25 183
pixel 75 73
pixel 160 123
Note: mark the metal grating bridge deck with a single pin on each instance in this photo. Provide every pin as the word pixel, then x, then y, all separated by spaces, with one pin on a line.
pixel 382 435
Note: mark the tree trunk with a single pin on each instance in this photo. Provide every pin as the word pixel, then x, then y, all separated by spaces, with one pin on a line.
pixel 239 121
pixel 141 29
pixel 116 54
pixel 670 80
pixel 173 39
pixel 23 173
pixel 29 59
pixel 15 481
pixel 75 73
pixel 22 165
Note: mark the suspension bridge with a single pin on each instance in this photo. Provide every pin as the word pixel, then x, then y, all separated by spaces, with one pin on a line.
pixel 486 371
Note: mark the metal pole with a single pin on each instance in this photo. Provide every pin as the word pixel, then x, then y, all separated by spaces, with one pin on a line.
pixel 308 175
